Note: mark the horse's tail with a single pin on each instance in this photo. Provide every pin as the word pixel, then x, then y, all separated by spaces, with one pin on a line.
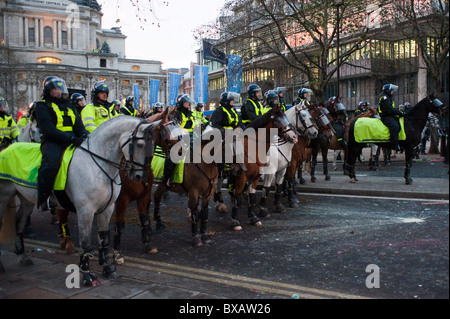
pixel 8 231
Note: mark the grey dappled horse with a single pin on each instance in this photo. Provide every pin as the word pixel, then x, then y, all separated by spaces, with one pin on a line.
pixel 93 185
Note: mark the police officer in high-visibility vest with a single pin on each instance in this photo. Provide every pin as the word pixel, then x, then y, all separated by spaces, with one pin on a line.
pixel 200 120
pixel 362 107
pixel 302 98
pixel 99 111
pixel 115 108
pixel 185 119
pixel 389 114
pixel 78 101
pixel 252 108
pixel 280 91
pixel 8 127
pixel 128 108
pixel 60 126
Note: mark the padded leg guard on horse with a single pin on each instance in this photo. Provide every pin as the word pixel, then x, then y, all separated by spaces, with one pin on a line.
pixel 279 207
pixel 407 175
pixel 109 270
pixel 20 251
pixel 237 202
pixel 204 215
pixel 146 234
pixel 157 218
pixel 119 228
pixel 196 236
pixel 89 279
pixel 264 211
pixel 300 174
pixel 252 209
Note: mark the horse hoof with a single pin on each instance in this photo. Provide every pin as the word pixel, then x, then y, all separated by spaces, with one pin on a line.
pixel 302 181
pixel 353 180
pixel 328 178
pixel 206 239
pixel 258 224
pixel 70 248
pixel 293 204
pixel 264 212
pixel 197 242
pixel 221 208
pixel 90 280
pixel 280 209
pixel 160 224
pixel 109 272
pixel 237 228
pixel 25 261
pixel 118 258
pixel 409 181
pixel 313 179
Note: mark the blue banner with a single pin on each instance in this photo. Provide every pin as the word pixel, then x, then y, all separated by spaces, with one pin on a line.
pixel 234 73
pixel 201 83
pixel 137 97
pixel 154 90
pixel 174 84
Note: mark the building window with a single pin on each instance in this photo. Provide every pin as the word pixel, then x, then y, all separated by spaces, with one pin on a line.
pixel 49 60
pixel 31 34
pixel 140 82
pixel 48 35
pixel 352 88
pixel 21 76
pixel 136 68
pixel 64 37
pixel 78 78
pixel 103 63
pixel 126 82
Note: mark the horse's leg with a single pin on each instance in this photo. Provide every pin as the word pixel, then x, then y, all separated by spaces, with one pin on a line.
pixel 324 150
pixel 335 155
pixel 122 203
pixel 194 216
pixel 218 198
pixel 85 219
pixel 264 211
pixel 157 197
pixel 312 164
pixel 64 232
pixel 143 206
pixel 300 174
pixel 253 207
pixel 25 210
pixel 408 164
pixel 109 270
pixel 279 208
pixel 204 214
pixel 352 155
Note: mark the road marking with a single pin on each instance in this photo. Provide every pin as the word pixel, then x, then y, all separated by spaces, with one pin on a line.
pixel 220 277
pixel 435 201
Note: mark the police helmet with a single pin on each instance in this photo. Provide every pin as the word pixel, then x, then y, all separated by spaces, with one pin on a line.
pixel 302 91
pixel 227 97
pixel 185 98
pixel 116 103
pixel 77 97
pixel 253 89
pixel 199 106
pixel 158 105
pixel 129 101
pixel 272 98
pixel 280 90
pixel 3 103
pixel 98 87
pixel 54 82
pixel 387 88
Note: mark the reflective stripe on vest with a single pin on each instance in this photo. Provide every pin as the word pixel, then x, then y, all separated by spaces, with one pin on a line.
pixel 61 116
pixel 232 121
pixel 8 131
pixel 258 110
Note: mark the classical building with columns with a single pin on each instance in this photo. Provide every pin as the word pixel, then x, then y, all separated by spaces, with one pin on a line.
pixel 39 38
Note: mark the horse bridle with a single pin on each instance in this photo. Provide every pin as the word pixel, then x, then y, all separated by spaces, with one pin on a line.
pixel 303 122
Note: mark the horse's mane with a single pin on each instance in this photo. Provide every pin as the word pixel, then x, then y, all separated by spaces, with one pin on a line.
pixel 261 121
pixel 154 117
pixel 416 108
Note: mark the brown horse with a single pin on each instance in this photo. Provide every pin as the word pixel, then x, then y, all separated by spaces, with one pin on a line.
pixel 251 174
pixel 198 182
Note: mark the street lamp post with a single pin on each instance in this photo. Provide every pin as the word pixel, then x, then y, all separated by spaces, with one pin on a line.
pixel 338 5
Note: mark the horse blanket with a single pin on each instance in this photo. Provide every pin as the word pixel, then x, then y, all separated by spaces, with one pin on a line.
pixel 158 168
pixel 20 164
pixel 372 130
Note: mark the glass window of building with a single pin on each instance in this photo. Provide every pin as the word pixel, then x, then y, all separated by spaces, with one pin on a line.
pixel 64 37
pixel 48 35
pixel 49 60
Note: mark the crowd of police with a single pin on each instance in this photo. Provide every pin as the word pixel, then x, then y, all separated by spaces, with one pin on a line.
pixel 65 120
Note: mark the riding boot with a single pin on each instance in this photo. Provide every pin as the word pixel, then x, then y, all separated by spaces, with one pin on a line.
pixel 109 270
pixel 279 208
pixel 146 233
pixel 252 209
pixel 169 169
pixel 119 227
pixel 264 212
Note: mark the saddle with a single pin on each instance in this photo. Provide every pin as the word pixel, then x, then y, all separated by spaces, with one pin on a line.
pixel 372 130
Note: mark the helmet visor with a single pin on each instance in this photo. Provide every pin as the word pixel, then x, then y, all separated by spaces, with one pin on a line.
pixel 57 84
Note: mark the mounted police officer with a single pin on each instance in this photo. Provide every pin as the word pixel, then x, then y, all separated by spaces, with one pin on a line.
pixel 198 115
pixel 128 108
pixel 302 98
pixel 280 91
pixel 99 111
pixel 362 107
pixel 115 108
pixel 183 115
pixel 252 108
pixel 8 127
pixel 339 120
pixel 389 114
pixel 60 125
pixel 78 101
pixel 158 108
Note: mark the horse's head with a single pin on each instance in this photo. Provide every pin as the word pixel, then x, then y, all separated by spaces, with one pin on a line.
pixel 170 132
pixel 335 107
pixel 281 122
pixel 304 122
pixel 30 133
pixel 138 150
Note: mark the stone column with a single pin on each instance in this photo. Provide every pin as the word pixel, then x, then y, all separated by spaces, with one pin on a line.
pixel 26 31
pixel 55 35
pixel 41 32
pixel 421 77
pixel 59 35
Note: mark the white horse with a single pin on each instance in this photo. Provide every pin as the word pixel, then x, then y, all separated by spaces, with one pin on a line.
pixel 93 185
pixel 305 126
pixel 30 133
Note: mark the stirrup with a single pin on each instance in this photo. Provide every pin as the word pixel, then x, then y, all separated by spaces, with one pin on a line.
pixel 169 184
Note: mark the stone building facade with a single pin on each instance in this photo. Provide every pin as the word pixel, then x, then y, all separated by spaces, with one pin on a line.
pixel 39 38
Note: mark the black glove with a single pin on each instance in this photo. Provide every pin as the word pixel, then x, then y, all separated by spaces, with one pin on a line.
pixel 76 141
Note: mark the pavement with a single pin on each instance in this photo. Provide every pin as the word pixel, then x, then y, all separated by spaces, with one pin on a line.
pixel 47 278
